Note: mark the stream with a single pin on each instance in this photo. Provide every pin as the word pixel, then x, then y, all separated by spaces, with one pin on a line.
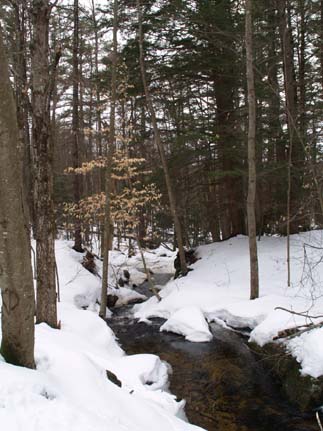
pixel 225 385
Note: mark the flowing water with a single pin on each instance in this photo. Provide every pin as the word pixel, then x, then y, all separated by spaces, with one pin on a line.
pixel 225 386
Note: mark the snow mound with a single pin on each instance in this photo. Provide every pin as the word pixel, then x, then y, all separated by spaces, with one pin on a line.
pixel 127 296
pixel 308 351
pixel 190 322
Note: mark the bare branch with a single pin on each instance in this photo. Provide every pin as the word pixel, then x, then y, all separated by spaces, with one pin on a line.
pixel 295 332
pixel 303 314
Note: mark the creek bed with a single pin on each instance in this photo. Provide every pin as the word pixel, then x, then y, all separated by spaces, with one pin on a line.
pixel 225 386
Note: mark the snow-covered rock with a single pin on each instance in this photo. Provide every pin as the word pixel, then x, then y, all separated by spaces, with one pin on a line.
pixel 191 323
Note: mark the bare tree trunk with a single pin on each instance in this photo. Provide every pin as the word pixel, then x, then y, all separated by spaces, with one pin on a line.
pixel 108 227
pixel 42 84
pixel 159 144
pixel 302 69
pixel 291 105
pixel 75 128
pixel 321 42
pixel 99 149
pixel 16 281
pixel 251 200
pixel 97 92
pixel 22 100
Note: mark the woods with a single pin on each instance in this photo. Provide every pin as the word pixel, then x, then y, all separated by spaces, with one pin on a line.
pixel 159 137
pixel 184 102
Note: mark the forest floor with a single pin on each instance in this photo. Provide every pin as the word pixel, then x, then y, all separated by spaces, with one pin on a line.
pixel 70 390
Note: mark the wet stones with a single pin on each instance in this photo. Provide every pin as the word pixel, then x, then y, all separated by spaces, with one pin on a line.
pixel 124 279
pixel 303 391
pixel 111 300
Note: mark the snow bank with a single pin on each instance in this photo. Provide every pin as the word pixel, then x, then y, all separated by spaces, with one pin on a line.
pixel 308 350
pixel 70 390
pixel 190 322
pixel 219 287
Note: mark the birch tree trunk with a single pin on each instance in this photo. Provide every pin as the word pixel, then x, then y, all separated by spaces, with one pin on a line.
pixel 16 282
pixel 251 200
pixel 108 227
pixel 159 144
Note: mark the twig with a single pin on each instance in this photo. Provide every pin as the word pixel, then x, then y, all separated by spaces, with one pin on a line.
pixel 319 421
pixel 303 314
pixel 166 246
pixel 73 278
pixel 312 246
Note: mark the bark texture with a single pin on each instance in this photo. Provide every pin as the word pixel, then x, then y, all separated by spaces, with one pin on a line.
pixel 75 126
pixel 108 226
pixel 251 200
pixel 18 304
pixel 42 83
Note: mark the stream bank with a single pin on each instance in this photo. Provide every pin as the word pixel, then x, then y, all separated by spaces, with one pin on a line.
pixel 225 385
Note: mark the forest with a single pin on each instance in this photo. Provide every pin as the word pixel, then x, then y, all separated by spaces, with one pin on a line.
pixel 161 215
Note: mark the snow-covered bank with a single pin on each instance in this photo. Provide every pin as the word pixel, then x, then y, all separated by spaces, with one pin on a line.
pixel 81 288
pixel 219 288
pixel 70 390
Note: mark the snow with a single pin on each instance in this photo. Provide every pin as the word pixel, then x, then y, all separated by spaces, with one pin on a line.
pixel 218 289
pixel 308 350
pixel 190 322
pixel 70 390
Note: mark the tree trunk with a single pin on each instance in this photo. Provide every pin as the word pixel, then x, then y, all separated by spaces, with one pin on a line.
pixel 43 159
pixel 22 101
pixel 18 302
pixel 321 42
pixel 291 105
pixel 97 93
pixel 160 146
pixel 251 200
pixel 75 128
pixel 108 227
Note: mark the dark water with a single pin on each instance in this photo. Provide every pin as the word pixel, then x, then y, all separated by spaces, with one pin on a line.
pixel 225 386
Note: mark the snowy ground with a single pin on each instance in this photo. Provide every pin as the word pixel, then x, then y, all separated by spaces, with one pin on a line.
pixel 70 390
pixel 81 288
pixel 218 290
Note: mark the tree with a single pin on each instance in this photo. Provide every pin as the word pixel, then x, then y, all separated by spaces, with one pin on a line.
pixel 43 80
pixel 251 200
pixel 159 144
pixel 108 228
pixel 75 124
pixel 18 304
